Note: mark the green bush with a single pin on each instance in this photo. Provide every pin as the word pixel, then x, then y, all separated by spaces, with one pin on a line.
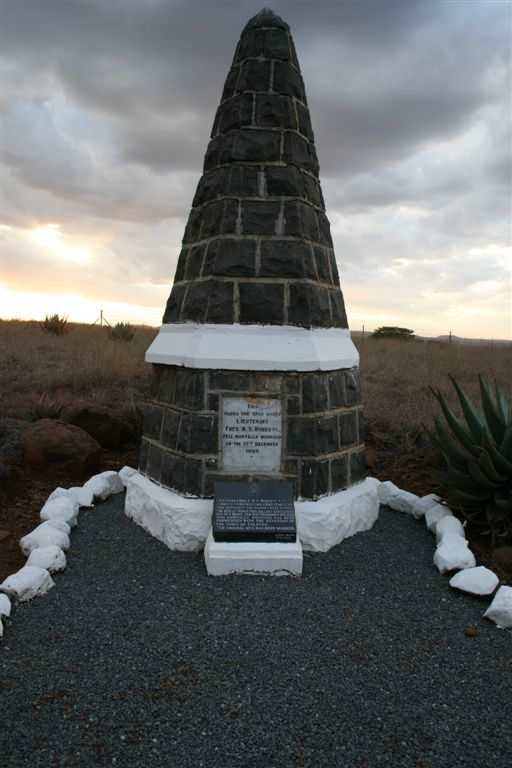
pixel 477 451
pixel 122 332
pixel 56 325
pixel 392 332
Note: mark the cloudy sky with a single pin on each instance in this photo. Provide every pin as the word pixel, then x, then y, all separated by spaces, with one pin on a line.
pixel 105 112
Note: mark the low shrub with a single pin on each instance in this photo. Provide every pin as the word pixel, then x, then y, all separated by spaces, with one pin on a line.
pixel 122 332
pixel 55 324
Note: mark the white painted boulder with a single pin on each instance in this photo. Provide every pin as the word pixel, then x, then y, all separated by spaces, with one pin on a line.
pixel 324 523
pixel 453 554
pixel 104 485
pixel 475 581
pixel 5 605
pixel 27 583
pixel 395 498
pixel 179 522
pixel 45 535
pixel 500 610
pixel 82 496
pixel 423 504
pixel 449 525
pixel 434 514
pixel 51 558
pixel 125 473
pixel 61 508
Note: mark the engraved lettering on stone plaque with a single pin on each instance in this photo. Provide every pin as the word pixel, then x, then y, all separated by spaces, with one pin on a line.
pixel 251 434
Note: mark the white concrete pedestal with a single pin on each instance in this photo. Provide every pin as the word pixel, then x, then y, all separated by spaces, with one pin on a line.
pixel 252 557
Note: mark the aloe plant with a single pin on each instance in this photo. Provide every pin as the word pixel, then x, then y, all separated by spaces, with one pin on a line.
pixel 477 450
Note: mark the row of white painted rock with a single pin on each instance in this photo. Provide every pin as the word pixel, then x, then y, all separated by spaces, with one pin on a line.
pixel 46 545
pixel 452 551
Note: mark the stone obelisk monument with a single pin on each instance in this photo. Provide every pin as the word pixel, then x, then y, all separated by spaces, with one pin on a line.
pixel 255 373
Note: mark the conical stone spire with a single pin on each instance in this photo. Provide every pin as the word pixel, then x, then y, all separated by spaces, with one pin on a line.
pixel 255 374
pixel 257 247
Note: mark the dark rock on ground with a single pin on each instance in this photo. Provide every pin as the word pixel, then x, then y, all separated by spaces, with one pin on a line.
pixel 11 448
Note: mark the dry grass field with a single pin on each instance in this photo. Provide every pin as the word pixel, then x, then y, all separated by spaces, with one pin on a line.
pixel 37 369
pixel 39 373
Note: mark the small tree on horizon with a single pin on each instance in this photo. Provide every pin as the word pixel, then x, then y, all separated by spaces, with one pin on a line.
pixel 393 332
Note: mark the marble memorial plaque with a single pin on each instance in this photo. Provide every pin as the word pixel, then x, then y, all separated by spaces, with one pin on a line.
pixel 261 510
pixel 251 434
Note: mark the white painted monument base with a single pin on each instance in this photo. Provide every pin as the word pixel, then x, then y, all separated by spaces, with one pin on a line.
pixel 223 558
pixel 183 522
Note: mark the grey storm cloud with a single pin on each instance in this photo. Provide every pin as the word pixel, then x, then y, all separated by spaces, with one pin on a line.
pixel 106 108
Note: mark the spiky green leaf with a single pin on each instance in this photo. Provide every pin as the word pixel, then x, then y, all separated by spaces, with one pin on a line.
pixel 493 413
pixel 463 435
pixel 472 415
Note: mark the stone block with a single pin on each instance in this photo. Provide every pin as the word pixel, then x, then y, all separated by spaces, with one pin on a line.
pixel 293 406
pixel 195 303
pixel 212 214
pixel 266 43
pixel 194 262
pixel 198 434
pixel 230 86
pixel 166 383
pixel 260 217
pixel 352 387
pixel 284 181
pixel 312 190
pixel 213 402
pixel 324 230
pixel 288 81
pixel 179 275
pixel 274 111
pixel 304 122
pixel 193 228
pixel 338 313
pixel 254 76
pixel 152 420
pixel 334 267
pixel 336 384
pixel 212 156
pixel 230 217
pixel 292 384
pixel 211 185
pixel 300 152
pixel 310 271
pixel 323 264
pixel 268 558
pixel 220 302
pixel 243 181
pixel 314 479
pixel 347 428
pixel 174 304
pixel 154 462
pixel 300 220
pixel 229 257
pixel 326 435
pixel 170 429
pixel 261 303
pixel 143 455
pixel 300 437
pixel 309 306
pixel 339 473
pixel 189 389
pixel 358 468
pixel 314 393
pixel 283 258
pixel 266 383
pixel 252 146
pixel 231 381
pixel 173 471
pixel 237 112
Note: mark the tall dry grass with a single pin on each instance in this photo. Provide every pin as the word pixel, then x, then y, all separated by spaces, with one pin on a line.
pixel 87 363
pixel 397 375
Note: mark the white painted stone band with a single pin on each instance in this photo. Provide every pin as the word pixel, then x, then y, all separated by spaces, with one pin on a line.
pixel 253 347
pixel 183 523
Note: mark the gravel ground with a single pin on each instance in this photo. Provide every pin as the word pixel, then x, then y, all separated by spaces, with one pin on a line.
pixel 136 658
